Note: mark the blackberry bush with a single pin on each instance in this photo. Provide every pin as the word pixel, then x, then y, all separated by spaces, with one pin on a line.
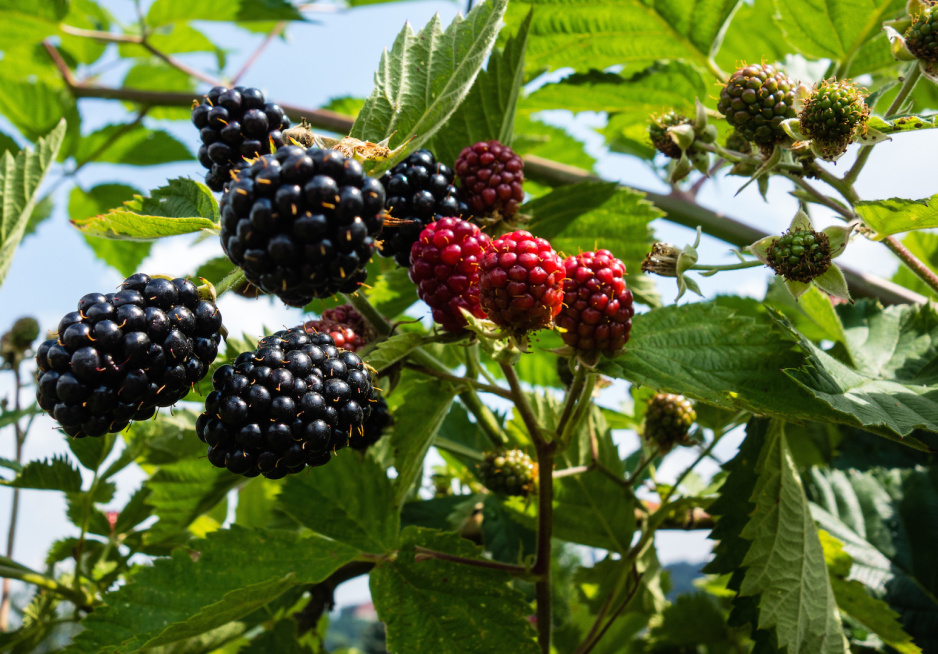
pixel 833 116
pixel 445 267
pixel 800 254
pixel 755 100
pixel 233 124
pixel 508 472
pixel 668 420
pixel 419 191
pixel 302 223
pixel 491 177
pixel 121 355
pixel 290 403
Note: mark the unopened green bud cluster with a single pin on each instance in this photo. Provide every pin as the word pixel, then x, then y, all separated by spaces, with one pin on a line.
pixel 668 421
pixel 658 132
pixel 508 472
pixel 800 255
pixel 922 36
pixel 834 115
pixel 755 100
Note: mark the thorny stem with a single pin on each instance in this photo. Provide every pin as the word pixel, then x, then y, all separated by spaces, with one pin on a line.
pixel 232 280
pixel 914 263
pixel 20 435
pixel 422 554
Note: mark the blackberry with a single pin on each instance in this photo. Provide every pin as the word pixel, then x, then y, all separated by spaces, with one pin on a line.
pixel 800 255
pixel 668 420
pixel 922 36
pixel 597 307
pixel 491 176
pixel 374 427
pixel 345 325
pixel 658 133
pixel 302 223
pixel 833 115
pixel 233 124
pixel 288 404
pixel 419 191
pixel 508 472
pixel 756 100
pixel 521 282
pixel 445 268
pixel 123 354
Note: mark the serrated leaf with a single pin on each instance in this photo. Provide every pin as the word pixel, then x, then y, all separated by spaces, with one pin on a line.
pixel 91 452
pixel 488 112
pixel 50 474
pixel 534 137
pixel 392 350
pixel 832 29
pixel 182 207
pixel 178 597
pixel 36 107
pixel 131 144
pixel 603 33
pixel 166 12
pixel 896 215
pixel 424 406
pixel 752 35
pixel 124 256
pixel 425 76
pixel 448 608
pixel 506 539
pixel 349 500
pixel 391 292
pixel 20 178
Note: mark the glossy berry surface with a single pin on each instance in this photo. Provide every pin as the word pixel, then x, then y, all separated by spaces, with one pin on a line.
pixel 491 177
pixel 508 472
pixel 658 133
pixel 122 355
pixel 235 123
pixel 668 421
pixel 290 403
pixel 419 191
pixel 800 255
pixel 302 223
pixel 374 426
pixel 521 282
pixel 345 325
pixel 597 307
pixel 445 267
pixel 833 115
pixel 755 100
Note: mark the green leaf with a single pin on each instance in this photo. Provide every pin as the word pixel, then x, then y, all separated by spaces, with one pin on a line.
pixel 20 178
pixel 91 452
pixel 256 502
pixel 603 33
pixel 448 608
pixel 131 144
pixel 176 39
pixel 51 474
pixel 391 292
pixel 349 500
pixel 853 599
pixel 36 107
pixel 236 572
pixel 8 144
pixel 506 539
pixel 419 408
pixel 785 563
pixel 752 36
pixel 887 523
pixel 389 352
pixel 534 137
pixel 165 12
pixel 157 76
pixel 488 112
pixel 182 207
pixel 425 76
pixel 832 29
pixel 690 621
pixel 896 215
pixel 813 313
pixel 125 256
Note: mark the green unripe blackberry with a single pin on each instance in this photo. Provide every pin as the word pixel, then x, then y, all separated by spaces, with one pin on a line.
pixel 922 36
pixel 800 255
pixel 755 100
pixel 508 472
pixel 833 116
pixel 658 132
pixel 737 143
pixel 668 421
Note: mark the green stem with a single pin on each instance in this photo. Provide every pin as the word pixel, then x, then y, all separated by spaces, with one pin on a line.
pixel 232 280
pixel 582 406
pixel 478 386
pixel 822 199
pixel 703 455
pixel 78 597
pixel 20 435
pixel 522 404
pixel 423 553
pixel 572 398
pixel 742 265
pixel 914 263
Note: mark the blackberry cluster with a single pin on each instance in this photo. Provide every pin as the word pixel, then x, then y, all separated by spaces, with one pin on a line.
pixel 668 421
pixel 121 355
pixel 302 223
pixel 374 426
pixel 508 472
pixel 235 123
pixel 492 178
pixel 345 325
pixel 445 268
pixel 755 100
pixel 597 307
pixel 290 403
pixel 521 282
pixel 658 133
pixel 833 116
pixel 922 36
pixel 419 191
pixel 800 255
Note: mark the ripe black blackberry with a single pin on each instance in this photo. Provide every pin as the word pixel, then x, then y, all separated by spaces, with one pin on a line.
pixel 302 223
pixel 290 403
pixel 235 123
pixel 374 427
pixel 419 191
pixel 121 355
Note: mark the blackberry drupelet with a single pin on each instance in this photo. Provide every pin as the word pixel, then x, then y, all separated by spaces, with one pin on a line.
pixel 419 191
pixel 660 138
pixel 122 355
pixel 756 100
pixel 668 421
pixel 288 404
pixel 508 472
pixel 374 427
pixel 302 223
pixel 800 255
pixel 492 179
pixel 833 116
pixel 233 124
pixel 345 325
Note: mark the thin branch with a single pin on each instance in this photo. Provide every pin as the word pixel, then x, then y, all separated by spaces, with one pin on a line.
pixel 522 404
pixel 628 600
pixel 570 472
pixel 321 595
pixel 423 554
pixel 181 67
pixel 274 33
pixel 106 37
pixel 822 199
pixel 445 376
pixel 572 398
pixel 545 525
pixel 644 463
pixel 15 504
pixel 914 263
pixel 703 455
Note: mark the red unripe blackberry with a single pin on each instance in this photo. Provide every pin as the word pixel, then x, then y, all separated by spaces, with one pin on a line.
pixel 492 178
pixel 346 314
pixel 597 307
pixel 445 267
pixel 521 282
